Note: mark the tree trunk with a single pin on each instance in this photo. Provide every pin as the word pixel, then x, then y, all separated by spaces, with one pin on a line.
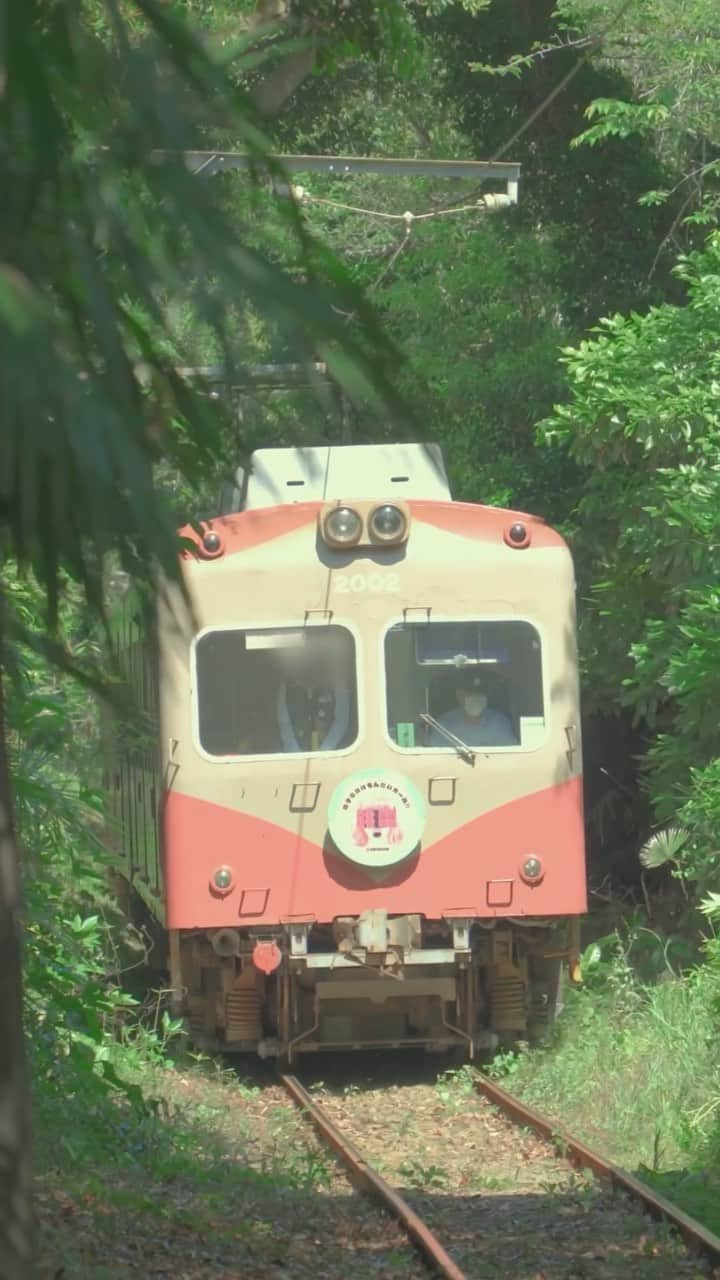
pixel 281 81
pixel 16 1235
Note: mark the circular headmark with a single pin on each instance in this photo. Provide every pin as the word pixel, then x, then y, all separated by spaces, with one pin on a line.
pixel 376 818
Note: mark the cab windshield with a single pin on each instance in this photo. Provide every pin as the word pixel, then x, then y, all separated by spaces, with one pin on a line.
pixel 475 683
pixel 276 691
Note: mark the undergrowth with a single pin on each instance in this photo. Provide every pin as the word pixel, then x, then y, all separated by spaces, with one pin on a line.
pixel 634 1068
pixel 129 1128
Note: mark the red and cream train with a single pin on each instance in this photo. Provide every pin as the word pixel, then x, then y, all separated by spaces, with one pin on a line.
pixel 358 820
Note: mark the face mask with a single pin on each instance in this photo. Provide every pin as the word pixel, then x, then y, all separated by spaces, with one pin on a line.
pixel 474 704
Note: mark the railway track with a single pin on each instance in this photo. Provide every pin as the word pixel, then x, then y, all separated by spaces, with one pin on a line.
pixel 541 1206
pixel 363 1175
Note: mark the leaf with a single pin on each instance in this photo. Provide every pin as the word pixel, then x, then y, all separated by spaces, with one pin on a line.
pixel 663 847
pixel 710 905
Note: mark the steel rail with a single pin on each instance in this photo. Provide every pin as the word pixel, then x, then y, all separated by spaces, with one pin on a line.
pixel 697 1236
pixel 365 1176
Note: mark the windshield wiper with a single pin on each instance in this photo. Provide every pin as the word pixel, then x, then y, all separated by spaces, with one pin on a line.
pixel 461 747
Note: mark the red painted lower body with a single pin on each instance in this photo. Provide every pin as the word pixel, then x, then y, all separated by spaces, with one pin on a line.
pixel 278 876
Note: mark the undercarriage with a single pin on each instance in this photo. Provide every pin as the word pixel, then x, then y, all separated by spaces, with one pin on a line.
pixel 371 981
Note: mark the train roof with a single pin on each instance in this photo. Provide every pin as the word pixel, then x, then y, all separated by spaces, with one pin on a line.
pixel 318 474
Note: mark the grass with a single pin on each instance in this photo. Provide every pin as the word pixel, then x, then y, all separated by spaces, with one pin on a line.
pixel 179 1165
pixel 634 1070
pixel 422 1177
pixel 454 1087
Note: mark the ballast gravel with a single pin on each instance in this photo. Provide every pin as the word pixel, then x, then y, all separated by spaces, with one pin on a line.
pixel 501 1200
pixel 259 1199
pixel 236 1186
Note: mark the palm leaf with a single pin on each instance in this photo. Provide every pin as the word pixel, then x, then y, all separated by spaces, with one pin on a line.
pixel 92 255
pixel 663 847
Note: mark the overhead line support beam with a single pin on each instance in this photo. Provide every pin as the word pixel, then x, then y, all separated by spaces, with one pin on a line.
pixel 205 164
pixel 276 377
pixel 210 162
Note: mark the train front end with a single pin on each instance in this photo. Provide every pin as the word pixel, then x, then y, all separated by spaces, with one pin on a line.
pixel 372 819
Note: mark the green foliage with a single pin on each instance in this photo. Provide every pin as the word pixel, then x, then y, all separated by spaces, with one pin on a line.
pixel 670 56
pixel 674 51
pixel 662 847
pixel 659 68
pixel 620 120
pixel 98 240
pixel 633 953
pixel 504 1065
pixel 480 304
pixel 422 1177
pixel 73 1007
pixel 710 906
pixel 642 421
pixel 654 1105
pixel 454 1087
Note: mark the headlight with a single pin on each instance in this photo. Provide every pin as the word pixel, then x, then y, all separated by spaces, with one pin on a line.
pixel 387 523
pixel 532 869
pixel 343 525
pixel 222 880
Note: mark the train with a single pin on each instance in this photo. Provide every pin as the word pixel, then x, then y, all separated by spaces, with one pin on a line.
pixel 355 816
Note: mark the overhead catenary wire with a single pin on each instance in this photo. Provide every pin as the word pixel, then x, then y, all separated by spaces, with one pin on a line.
pixel 461 206
pixel 304 196
pixel 483 200
pixel 408 218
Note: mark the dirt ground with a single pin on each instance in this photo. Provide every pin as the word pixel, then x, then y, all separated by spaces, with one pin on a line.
pixel 229 1181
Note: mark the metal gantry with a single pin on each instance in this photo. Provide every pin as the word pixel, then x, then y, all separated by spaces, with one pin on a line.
pixel 206 164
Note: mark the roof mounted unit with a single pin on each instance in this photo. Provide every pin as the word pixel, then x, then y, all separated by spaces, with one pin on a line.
pixel 281 476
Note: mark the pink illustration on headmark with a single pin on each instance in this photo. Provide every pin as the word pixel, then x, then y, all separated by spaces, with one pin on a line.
pixel 375 821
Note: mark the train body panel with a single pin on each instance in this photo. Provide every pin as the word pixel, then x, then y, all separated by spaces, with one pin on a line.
pixel 280 875
pixel 323 819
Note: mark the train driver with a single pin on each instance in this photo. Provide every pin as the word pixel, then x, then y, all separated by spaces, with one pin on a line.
pixel 314 706
pixel 473 721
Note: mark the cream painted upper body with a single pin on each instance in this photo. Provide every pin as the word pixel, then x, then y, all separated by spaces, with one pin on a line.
pixel 289 581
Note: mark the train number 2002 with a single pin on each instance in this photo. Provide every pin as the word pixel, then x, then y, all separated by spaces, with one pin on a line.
pixel 376 583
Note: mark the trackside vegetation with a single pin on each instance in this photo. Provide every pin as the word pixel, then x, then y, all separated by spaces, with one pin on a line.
pixel 633 1067
pixel 565 354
